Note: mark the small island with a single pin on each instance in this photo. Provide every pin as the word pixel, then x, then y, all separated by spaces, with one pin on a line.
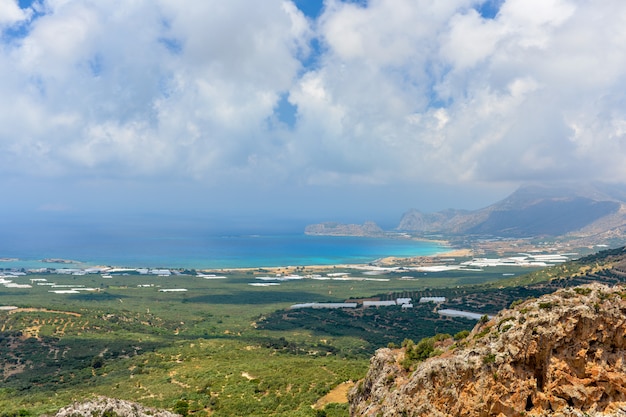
pixel 367 229
pixel 58 261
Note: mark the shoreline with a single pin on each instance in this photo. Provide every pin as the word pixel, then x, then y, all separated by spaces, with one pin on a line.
pixel 41 265
pixel 386 262
pixel 381 263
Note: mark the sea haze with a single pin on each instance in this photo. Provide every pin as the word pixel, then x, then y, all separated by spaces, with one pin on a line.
pixel 142 242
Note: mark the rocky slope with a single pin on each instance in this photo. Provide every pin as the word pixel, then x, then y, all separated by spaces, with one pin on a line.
pixel 537 210
pixel 109 407
pixel 560 355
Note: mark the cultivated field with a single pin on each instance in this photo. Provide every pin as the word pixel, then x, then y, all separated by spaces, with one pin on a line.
pixel 216 346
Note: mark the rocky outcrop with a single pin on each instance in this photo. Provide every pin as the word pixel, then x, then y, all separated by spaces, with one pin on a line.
pixel 103 406
pixel 367 229
pixel 563 354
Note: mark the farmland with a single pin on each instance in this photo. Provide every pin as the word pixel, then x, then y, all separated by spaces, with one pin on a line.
pixel 220 347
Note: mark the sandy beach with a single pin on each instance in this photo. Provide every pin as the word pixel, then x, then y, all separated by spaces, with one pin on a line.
pixel 387 262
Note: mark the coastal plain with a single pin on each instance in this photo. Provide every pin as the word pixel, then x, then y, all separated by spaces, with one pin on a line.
pixel 219 342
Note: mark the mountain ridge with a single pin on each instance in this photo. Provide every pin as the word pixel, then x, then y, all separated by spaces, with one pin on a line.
pixel 592 213
pixel 531 211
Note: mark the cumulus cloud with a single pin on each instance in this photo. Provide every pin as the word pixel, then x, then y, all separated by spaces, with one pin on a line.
pixel 383 91
pixel 11 13
pixel 440 91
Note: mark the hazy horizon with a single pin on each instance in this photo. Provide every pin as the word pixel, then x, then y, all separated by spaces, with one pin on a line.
pixel 291 112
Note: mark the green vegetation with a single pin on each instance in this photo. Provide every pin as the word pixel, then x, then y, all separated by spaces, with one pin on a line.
pixel 226 348
pixel 489 358
pixel 374 327
pixel 221 348
pixel 422 350
pixel 461 335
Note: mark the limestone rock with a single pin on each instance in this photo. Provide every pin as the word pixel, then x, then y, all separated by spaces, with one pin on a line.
pixel 106 406
pixel 563 354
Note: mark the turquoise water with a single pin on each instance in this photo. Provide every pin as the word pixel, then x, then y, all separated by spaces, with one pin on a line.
pixel 200 250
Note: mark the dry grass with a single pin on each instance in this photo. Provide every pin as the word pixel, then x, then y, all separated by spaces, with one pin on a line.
pixel 338 395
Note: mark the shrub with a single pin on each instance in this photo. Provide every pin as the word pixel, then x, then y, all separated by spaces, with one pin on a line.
pixel 441 336
pixel 489 358
pixel 406 363
pixel 482 333
pixel 582 291
pixel 504 320
pixel 97 362
pixel 506 327
pixel 182 407
pixel 423 349
pixel 461 335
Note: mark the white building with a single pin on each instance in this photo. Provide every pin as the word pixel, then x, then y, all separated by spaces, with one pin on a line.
pixel 379 303
pixel 324 305
pixel 433 300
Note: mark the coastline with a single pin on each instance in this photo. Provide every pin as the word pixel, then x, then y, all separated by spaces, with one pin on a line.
pixel 390 262
pixel 275 253
pixel 386 262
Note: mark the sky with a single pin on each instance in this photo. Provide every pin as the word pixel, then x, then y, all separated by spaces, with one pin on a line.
pixel 333 110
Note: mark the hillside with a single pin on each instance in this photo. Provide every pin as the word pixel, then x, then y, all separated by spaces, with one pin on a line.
pixel 225 347
pixel 561 354
pixel 537 210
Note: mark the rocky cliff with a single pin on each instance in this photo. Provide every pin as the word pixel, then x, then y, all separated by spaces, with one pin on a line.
pixel 110 407
pixel 560 355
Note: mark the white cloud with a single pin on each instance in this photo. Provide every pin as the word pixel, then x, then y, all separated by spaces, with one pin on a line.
pixel 145 88
pixel 11 13
pixel 507 86
pixel 400 90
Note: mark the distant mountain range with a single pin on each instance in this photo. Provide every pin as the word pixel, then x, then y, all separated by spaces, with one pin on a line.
pixel 533 210
pixel 595 211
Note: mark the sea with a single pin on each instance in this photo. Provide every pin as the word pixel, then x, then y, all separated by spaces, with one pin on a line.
pixel 194 248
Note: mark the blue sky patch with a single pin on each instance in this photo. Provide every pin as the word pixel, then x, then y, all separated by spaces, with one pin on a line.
pixel 311 8
pixel 95 65
pixel 490 8
pixel 25 4
pixel 285 111
pixel 173 45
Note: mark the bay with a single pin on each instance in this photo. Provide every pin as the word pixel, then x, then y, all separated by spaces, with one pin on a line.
pixel 187 249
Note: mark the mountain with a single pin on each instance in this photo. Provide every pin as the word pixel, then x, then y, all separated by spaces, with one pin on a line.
pixel 532 211
pixel 559 355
